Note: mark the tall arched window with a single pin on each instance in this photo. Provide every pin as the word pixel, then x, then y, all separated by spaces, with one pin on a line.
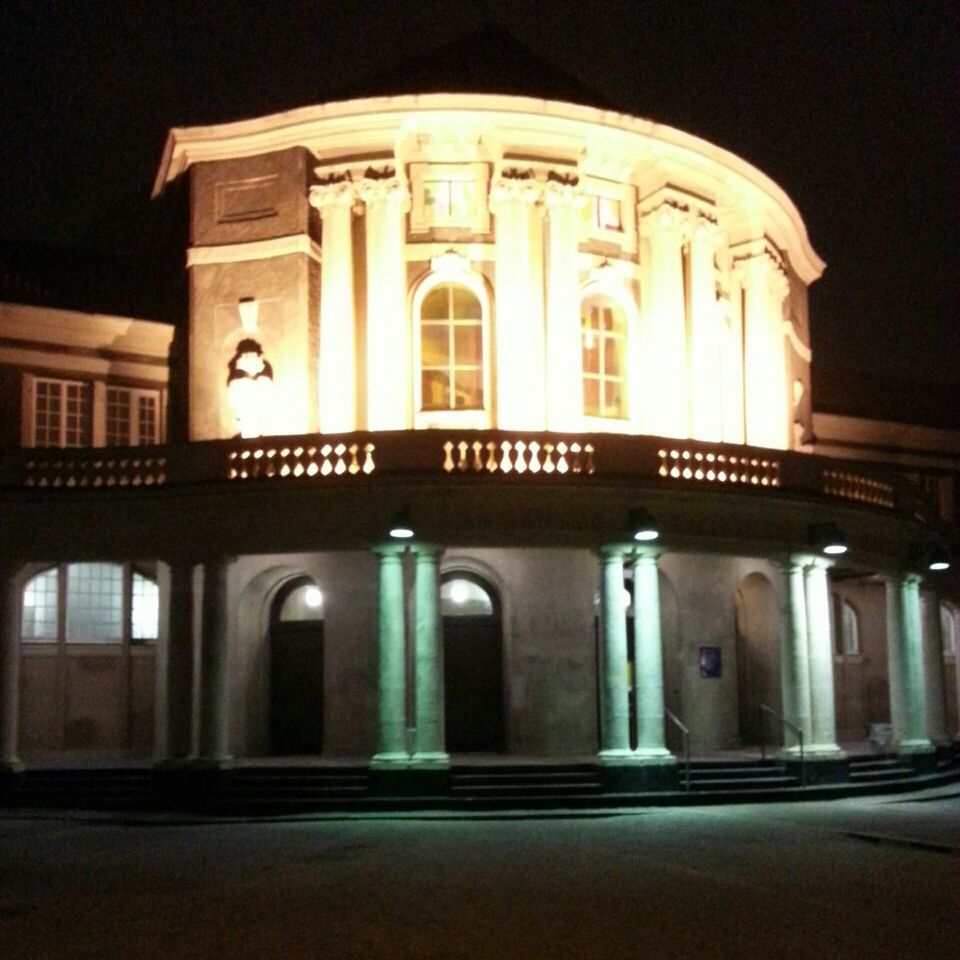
pixel 451 349
pixel 948 629
pixel 603 328
pixel 846 628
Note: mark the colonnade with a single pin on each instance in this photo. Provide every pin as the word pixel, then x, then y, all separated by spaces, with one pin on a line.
pixel 913 644
pixel 689 372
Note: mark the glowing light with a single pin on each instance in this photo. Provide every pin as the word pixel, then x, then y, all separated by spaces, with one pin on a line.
pixel 939 565
pixel 401 526
pixel 313 597
pixel 835 549
pixel 459 592
pixel 643 526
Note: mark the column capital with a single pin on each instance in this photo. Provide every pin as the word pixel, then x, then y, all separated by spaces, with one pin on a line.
pixel 613 551
pixel 646 555
pixel 334 192
pixel 427 551
pixel 756 258
pixel 514 187
pixel 384 189
pixel 563 192
pixel 705 230
pixel 390 549
pixel 667 219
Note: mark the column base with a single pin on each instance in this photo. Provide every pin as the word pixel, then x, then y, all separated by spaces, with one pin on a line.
pixel 638 771
pixel 436 760
pixel 827 765
pixel 10 767
pixel 919 754
pixel 210 763
pixel 394 760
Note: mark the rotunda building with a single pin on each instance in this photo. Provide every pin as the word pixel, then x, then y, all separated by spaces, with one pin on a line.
pixel 500 442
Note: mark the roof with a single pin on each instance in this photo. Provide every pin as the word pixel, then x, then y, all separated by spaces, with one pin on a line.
pixel 489 60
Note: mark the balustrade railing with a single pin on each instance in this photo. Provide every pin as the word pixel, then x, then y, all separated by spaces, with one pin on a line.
pixel 488 454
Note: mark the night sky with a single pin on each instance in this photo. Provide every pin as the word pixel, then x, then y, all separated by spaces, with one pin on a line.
pixel 850 106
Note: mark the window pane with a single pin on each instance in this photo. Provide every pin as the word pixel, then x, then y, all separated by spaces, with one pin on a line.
pixel 612 399
pixel 464 598
pixel 591 397
pixel 148 420
pixel 465 304
pixel 39 622
pixel 435 345
pixel 436 197
pixel 608 213
pixel 435 390
pixel 613 357
pixel 144 609
pixel 303 603
pixel 94 603
pixel 462 200
pixel 436 304
pixel 469 390
pixel 851 630
pixel 948 629
pixel 118 417
pixel 467 345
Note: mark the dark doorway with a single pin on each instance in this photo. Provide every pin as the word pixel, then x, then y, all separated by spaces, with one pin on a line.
pixel 472 665
pixel 296 669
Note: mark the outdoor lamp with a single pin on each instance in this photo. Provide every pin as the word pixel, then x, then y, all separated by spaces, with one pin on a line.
pixel 938 558
pixel 401 527
pixel 828 538
pixel 642 525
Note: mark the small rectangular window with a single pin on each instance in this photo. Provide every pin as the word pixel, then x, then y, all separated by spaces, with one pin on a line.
pixel 132 417
pixel 61 413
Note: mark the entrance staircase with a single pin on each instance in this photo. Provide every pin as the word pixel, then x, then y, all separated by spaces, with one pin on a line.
pixel 525 785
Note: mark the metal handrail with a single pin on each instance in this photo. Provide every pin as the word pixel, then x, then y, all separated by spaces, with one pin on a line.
pixel 797 732
pixel 685 732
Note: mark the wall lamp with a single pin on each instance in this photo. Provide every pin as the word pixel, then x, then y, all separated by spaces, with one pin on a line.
pixel 642 525
pixel 401 526
pixel 937 557
pixel 828 538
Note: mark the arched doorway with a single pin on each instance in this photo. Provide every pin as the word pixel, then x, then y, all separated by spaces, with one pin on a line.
pixel 296 668
pixel 472 664
pixel 758 657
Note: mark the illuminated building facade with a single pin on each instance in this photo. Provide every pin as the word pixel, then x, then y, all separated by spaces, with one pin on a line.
pixel 568 351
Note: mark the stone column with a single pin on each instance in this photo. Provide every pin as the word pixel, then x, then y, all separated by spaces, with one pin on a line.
pixel 389 391
pixel 391 663
pixel 10 600
pixel 794 661
pixel 214 653
pixel 706 374
pixel 823 725
pixel 615 733
pixel 933 679
pixel 648 660
pixel 428 654
pixel 905 665
pixel 338 381
pixel 564 362
pixel 765 364
pixel 519 327
pixel 665 390
pixel 180 662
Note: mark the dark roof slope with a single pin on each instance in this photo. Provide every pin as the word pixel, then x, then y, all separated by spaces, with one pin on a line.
pixel 489 60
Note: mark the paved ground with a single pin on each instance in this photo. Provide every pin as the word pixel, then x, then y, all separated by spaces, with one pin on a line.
pixel 871 878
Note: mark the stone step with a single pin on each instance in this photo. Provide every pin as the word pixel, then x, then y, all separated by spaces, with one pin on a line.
pixel 528 788
pixel 887 773
pixel 745 783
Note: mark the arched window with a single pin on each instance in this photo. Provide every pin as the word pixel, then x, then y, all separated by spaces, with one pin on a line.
pixel 451 349
pixel 40 604
pixel 301 601
pixel 603 328
pixel 91 607
pixel 948 629
pixel 460 597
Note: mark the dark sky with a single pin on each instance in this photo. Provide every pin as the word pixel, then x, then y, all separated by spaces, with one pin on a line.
pixel 850 106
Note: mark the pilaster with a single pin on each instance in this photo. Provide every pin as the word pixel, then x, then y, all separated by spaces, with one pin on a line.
pixel 9 669
pixel 521 374
pixel 179 665
pixel 214 654
pixel 389 394
pixel 334 202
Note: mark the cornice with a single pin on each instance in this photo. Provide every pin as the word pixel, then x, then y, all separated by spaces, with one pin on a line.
pixel 254 250
pixel 377 123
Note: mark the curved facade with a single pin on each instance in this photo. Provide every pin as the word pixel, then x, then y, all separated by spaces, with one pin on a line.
pixel 523 330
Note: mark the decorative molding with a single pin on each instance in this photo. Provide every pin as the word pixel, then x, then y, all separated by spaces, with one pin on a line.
pixel 337 190
pixel 254 250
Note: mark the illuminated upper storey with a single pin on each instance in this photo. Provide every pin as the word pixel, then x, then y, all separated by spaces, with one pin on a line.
pixel 483 261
